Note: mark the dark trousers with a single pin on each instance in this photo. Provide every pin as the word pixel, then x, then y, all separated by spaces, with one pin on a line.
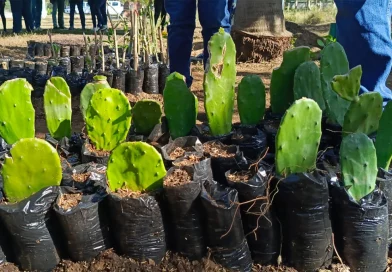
pixel 21 8
pixel 2 15
pixel 160 11
pixel 100 12
pixel 72 5
pixel 58 7
pixel 93 12
pixel 36 11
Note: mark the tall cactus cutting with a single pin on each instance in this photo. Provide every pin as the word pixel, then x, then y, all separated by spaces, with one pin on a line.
pixel 384 138
pixel 99 82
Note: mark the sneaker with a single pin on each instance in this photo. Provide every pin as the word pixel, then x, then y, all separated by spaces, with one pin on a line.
pixel 37 29
pixel 104 27
pixel 95 29
pixel 62 27
pixel 71 28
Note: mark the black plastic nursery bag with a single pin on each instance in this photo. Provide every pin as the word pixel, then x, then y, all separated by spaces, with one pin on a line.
pixel 119 80
pixel 164 72
pixel 251 141
pixel 134 81
pixel 385 185
pixel 91 156
pixel 151 77
pixel 187 144
pixel 95 177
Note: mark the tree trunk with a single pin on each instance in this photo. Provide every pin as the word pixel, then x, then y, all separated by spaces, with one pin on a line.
pixel 259 30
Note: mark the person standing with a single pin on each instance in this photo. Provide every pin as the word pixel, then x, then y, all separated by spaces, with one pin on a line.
pixel 100 11
pixel 79 4
pixel 19 9
pixel 58 8
pixel 2 14
pixel 92 4
pixel 36 11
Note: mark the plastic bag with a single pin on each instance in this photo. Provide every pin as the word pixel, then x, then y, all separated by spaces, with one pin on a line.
pixel 134 81
pixel 17 64
pixel 66 63
pixel 65 51
pixel 164 72
pixel 39 49
pixel 30 50
pixel 186 144
pixel 75 51
pixel 41 68
pixel 203 133
pixel 270 128
pixel 76 83
pixel 119 80
pixel 70 148
pixel 29 65
pixel 77 64
pixel 95 177
pixel 251 141
pixel 151 78
pixel 384 182
pixel 160 134
pixel 89 156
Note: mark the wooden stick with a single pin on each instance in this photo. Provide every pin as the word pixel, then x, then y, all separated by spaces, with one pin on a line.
pixel 135 43
pixel 161 44
pixel 102 51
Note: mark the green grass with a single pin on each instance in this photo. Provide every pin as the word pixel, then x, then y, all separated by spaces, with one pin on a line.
pixel 315 16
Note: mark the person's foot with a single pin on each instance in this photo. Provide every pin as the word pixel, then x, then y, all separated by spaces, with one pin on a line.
pixel 198 58
pixel 103 28
pixel 37 29
pixel 95 29
pixel 56 27
pixel 71 28
pixel 62 27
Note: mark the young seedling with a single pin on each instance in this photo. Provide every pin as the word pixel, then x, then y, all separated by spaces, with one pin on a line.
pixel 384 138
pixel 145 115
pixel 99 82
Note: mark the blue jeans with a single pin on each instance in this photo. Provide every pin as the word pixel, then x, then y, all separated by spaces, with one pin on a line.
pixel 72 5
pixel 58 7
pixel 213 14
pixel 36 11
pixel 364 29
pixel 21 8
pixel 100 12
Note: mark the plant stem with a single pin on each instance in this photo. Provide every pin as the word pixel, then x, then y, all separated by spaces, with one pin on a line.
pixel 135 42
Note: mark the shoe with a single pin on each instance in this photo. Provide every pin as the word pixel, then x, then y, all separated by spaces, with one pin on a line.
pixel 103 28
pixel 71 28
pixel 95 29
pixel 37 29
pixel 62 27
pixel 56 27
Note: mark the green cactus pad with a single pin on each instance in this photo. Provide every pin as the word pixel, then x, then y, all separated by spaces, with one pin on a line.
pixel 282 79
pixel 99 82
pixel 307 83
pixel 108 118
pixel 364 114
pixel 17 115
pixel 34 164
pixel 384 138
pixel 180 105
pixel 251 100
pixel 348 85
pixel 145 115
pixel 333 62
pixel 359 165
pixel 136 166
pixel 219 81
pixel 58 109
pixel 298 138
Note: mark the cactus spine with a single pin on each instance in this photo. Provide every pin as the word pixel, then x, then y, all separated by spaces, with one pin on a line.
pixel 384 138
pixel 145 115
pixel 99 82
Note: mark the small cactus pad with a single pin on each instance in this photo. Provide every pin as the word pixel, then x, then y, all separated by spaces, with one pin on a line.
pixel 58 109
pixel 384 138
pixel 219 81
pixel 251 100
pixel 34 164
pixel 108 118
pixel 136 166
pixel 99 82
pixel 307 83
pixel 298 138
pixel 282 80
pixel 17 115
pixel 180 105
pixel 359 165
pixel 333 62
pixel 348 85
pixel 364 114
pixel 145 115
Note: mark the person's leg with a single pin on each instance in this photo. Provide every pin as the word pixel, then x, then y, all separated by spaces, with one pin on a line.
pixel 72 14
pixel 93 15
pixel 180 35
pixel 38 14
pixel 16 9
pixel 54 13
pixel 60 7
pixel 2 14
pixel 33 11
pixel 213 14
pixel 27 16
pixel 104 14
pixel 97 11
pixel 364 30
pixel 81 14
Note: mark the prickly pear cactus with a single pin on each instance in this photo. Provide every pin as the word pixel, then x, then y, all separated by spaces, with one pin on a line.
pixel 219 81
pixel 333 62
pixel 384 138
pixel 180 106
pixel 136 166
pixel 282 80
pixel 364 114
pixel 34 164
pixel 307 83
pixel 359 165
pixel 251 100
pixel 58 109
pixel 17 115
pixel 145 115
pixel 298 138
pixel 347 86
pixel 99 82
pixel 108 118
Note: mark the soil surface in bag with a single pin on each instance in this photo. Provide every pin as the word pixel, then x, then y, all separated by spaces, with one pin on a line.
pixel 83 219
pixel 385 184
pixel 303 210
pixel 225 234
pixel 90 154
pixel 251 141
pixel 360 230
pixel 260 223
pixel 182 192
pixel 28 223
pixel 137 225
pixel 203 133
pixel 151 78
pixel 179 148
pixel 87 177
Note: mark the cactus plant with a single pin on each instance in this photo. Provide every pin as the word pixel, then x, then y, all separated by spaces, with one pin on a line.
pixel 282 80
pixel 136 166
pixel 58 110
pixel 298 138
pixel 384 138
pixel 333 62
pixel 145 115
pixel 108 118
pixel 99 82
pixel 17 115
pixel 359 165
pixel 251 100
pixel 34 164
pixel 307 83
pixel 347 86
pixel 219 81
pixel 180 106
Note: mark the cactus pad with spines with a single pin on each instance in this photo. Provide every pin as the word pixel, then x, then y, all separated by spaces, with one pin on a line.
pixel 108 118
pixel 99 82
pixel 219 82
pixel 251 100
pixel 17 115
pixel 384 138
pixel 298 138
pixel 58 109
pixel 180 106
pixel 136 166
pixel 348 85
pixel 333 62
pixel 145 115
pixel 364 114
pixel 359 165
pixel 307 83
pixel 34 164
pixel 282 79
